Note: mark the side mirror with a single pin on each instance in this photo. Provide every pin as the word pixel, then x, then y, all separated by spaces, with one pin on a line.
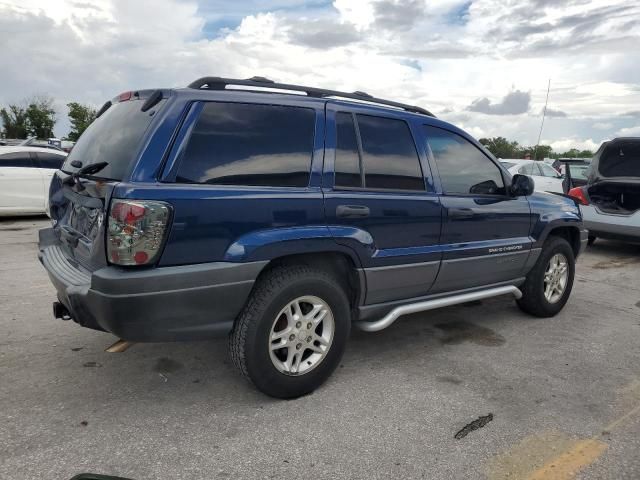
pixel 522 185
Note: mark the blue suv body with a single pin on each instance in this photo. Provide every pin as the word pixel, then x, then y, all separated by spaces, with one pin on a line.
pixel 192 213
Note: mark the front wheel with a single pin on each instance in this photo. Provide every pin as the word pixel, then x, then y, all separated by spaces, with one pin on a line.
pixel 548 284
pixel 292 333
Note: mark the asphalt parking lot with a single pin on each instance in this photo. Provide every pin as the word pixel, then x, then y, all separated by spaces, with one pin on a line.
pixel 563 393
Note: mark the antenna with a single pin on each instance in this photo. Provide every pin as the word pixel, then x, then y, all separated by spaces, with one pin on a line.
pixel 544 114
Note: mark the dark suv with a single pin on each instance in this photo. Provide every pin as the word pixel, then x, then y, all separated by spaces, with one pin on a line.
pixel 280 215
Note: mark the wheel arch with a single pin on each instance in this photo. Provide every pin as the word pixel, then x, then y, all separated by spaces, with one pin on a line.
pixel 340 264
pixel 570 233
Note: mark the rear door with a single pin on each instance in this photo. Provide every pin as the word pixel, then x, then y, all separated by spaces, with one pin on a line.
pixel 485 232
pixel 376 192
pixel 21 184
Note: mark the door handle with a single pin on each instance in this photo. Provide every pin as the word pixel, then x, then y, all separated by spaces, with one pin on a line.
pixel 352 211
pixel 461 213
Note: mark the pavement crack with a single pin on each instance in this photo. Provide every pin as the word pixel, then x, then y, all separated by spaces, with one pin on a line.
pixel 475 425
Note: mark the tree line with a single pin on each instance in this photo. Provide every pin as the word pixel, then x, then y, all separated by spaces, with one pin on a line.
pixel 503 148
pixel 36 117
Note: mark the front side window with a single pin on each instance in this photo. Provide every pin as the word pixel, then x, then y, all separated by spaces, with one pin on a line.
pixel 529 169
pixel 249 144
pixel 50 160
pixel 548 171
pixel 389 155
pixel 463 168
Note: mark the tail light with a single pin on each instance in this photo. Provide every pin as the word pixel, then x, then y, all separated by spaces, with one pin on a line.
pixel 579 194
pixel 136 231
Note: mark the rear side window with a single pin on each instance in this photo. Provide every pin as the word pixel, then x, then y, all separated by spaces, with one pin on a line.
pixel 347 166
pixel 389 155
pixel 249 144
pixel 17 159
pixel 50 160
pixel 463 168
pixel 114 137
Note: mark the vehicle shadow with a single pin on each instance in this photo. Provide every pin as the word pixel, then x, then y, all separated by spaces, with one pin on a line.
pixel 176 371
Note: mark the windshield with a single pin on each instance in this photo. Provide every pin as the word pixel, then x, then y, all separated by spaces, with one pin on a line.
pixel 114 137
pixel 507 165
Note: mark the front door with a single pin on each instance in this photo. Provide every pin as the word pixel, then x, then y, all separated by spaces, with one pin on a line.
pixel 379 203
pixel 21 184
pixel 485 232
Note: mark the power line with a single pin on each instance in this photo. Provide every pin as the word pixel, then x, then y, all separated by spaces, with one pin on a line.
pixel 544 114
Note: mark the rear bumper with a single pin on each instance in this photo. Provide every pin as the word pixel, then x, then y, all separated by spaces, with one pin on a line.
pixel 608 225
pixel 157 304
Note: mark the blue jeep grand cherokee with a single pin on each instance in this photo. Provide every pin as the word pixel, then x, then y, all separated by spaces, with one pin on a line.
pixel 279 216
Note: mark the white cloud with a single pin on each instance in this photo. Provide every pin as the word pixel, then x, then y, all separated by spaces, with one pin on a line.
pixel 439 55
pixel 629 132
pixel 565 144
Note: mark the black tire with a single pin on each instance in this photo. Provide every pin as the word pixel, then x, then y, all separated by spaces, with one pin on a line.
pixel 591 240
pixel 533 300
pixel 249 340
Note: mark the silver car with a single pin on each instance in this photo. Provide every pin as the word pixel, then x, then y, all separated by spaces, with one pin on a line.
pixel 610 201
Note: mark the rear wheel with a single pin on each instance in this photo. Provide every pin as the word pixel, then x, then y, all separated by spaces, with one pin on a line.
pixel 548 284
pixel 292 333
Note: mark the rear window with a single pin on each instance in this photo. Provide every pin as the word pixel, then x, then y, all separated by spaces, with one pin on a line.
pixel 115 137
pixel 620 160
pixel 249 144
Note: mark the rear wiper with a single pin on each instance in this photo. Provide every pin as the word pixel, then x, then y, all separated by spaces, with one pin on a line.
pixel 86 170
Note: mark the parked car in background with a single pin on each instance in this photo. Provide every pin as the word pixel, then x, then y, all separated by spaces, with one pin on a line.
pixel 545 177
pixel 280 220
pixel 25 175
pixel 611 197
pixel 575 172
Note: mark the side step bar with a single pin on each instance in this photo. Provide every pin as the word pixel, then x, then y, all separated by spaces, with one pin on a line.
pixel 397 312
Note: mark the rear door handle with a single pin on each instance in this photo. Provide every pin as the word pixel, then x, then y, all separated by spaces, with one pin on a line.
pixel 352 211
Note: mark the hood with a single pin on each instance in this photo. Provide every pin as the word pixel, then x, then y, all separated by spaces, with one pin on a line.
pixel 618 159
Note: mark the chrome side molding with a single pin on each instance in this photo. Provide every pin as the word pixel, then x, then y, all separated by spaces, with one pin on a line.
pixel 397 312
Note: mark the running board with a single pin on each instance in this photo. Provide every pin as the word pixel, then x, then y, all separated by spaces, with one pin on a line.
pixel 397 312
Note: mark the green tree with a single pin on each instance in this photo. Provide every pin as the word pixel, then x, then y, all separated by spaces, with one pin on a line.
pixel 541 152
pixel 14 122
pixel 575 153
pixel 81 117
pixel 501 147
pixel 41 117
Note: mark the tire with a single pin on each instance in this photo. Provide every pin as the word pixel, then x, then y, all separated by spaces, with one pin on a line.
pixel 533 299
pixel 591 240
pixel 272 303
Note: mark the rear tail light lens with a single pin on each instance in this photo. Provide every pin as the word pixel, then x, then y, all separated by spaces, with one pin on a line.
pixel 579 194
pixel 136 231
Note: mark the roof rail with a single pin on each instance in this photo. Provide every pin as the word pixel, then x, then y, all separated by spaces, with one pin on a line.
pixel 220 83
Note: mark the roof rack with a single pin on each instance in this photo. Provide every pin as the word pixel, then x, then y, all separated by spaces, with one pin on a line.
pixel 220 83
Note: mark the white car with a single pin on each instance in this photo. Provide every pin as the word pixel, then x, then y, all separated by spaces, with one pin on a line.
pixel 545 177
pixel 25 175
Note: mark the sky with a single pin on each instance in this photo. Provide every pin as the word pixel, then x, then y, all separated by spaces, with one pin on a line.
pixel 483 65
